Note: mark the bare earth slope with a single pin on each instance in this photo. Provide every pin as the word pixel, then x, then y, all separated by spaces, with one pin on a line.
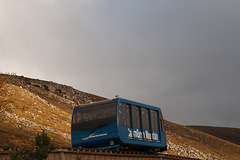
pixel 228 134
pixel 194 143
pixel 34 105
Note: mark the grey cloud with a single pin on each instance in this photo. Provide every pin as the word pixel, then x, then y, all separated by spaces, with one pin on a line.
pixel 181 55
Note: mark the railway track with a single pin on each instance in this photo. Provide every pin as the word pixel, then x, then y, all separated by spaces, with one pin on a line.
pixel 68 153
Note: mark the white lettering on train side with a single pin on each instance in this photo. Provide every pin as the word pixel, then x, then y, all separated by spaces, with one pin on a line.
pixel 155 136
pixel 129 132
pixel 148 135
pixel 139 134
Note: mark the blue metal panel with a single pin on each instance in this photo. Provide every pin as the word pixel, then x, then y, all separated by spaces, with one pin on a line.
pixel 97 138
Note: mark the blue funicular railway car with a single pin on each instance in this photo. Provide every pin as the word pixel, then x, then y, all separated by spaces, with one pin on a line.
pixel 118 123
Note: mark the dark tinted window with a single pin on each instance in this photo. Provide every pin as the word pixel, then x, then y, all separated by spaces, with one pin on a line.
pixel 145 119
pixel 94 116
pixel 136 117
pixel 120 115
pixel 161 122
pixel 125 115
pixel 154 120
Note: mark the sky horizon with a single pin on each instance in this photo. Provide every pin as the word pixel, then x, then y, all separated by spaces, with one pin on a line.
pixel 182 56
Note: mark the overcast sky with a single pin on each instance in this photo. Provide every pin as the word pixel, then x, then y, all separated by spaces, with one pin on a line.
pixel 180 55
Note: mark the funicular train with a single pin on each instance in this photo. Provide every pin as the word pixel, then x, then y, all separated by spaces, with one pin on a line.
pixel 118 123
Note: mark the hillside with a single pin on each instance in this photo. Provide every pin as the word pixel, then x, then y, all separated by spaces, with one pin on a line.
pixel 188 141
pixel 34 105
pixel 228 134
pixel 30 105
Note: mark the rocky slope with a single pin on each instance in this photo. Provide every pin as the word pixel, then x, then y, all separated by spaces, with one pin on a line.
pixel 33 105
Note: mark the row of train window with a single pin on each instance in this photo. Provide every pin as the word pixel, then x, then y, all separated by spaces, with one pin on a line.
pixel 139 114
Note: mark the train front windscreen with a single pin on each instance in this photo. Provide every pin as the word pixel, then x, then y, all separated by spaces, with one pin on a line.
pixel 92 117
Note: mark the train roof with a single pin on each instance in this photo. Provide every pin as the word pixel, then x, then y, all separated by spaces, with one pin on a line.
pixel 120 100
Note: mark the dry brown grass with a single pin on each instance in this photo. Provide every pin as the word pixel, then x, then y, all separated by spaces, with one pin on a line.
pixel 33 109
pixel 205 143
pixel 226 133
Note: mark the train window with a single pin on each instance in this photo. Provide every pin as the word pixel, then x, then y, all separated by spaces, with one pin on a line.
pixel 154 120
pixel 145 119
pixel 161 122
pixel 94 117
pixel 120 118
pixel 126 118
pixel 136 117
